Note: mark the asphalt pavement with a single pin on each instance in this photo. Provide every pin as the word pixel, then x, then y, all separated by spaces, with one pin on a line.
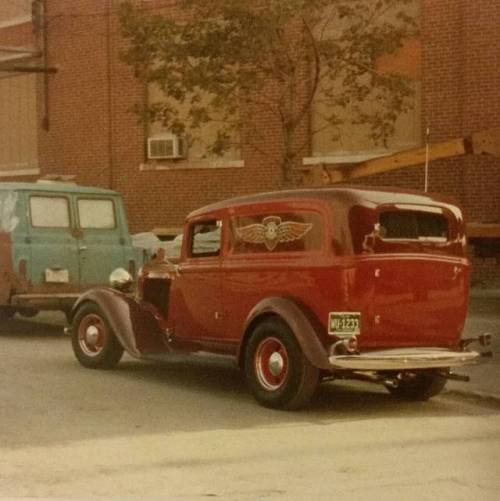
pixel 483 316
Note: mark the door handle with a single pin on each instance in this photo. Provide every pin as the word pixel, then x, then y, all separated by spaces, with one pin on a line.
pixel 456 271
pixel 82 248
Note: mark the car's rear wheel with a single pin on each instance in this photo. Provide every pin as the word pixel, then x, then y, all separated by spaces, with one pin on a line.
pixel 6 312
pixel 277 372
pixel 419 386
pixel 94 342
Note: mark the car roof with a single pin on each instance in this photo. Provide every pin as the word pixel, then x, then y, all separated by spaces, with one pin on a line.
pixel 55 186
pixel 351 195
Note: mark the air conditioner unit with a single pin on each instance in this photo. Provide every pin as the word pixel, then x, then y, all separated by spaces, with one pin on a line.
pixel 166 146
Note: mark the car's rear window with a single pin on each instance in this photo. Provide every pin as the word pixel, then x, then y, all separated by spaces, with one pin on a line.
pixel 413 225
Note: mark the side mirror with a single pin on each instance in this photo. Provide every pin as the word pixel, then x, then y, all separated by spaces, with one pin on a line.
pixel 120 279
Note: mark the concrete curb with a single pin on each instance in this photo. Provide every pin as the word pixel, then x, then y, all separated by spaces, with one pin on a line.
pixel 477 293
pixel 474 395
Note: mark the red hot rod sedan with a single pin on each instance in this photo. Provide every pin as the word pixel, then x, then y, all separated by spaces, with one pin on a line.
pixel 300 286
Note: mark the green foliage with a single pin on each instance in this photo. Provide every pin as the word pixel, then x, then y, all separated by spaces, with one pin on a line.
pixel 227 59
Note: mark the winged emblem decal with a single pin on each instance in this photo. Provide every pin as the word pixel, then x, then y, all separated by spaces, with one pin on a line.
pixel 273 231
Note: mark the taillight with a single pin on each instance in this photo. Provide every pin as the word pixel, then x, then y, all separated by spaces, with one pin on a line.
pixel 141 279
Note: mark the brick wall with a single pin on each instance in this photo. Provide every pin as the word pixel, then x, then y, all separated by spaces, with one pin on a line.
pixel 460 82
pixel 94 135
pixel 461 78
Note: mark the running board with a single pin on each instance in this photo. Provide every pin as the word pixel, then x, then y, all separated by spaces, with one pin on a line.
pixel 45 301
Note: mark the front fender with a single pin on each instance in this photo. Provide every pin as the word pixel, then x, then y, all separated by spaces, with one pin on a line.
pixel 291 313
pixel 135 326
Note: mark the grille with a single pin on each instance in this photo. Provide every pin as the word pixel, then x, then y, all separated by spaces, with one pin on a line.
pixel 157 292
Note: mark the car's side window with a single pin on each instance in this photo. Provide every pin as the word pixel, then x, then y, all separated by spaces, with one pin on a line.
pixel 205 239
pixel 277 232
pixel 49 212
pixel 94 213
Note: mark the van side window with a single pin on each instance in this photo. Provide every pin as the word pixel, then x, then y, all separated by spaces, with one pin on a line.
pixel 205 239
pixel 49 212
pixel 96 213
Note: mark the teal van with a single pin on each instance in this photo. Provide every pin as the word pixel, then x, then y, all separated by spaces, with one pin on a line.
pixel 57 240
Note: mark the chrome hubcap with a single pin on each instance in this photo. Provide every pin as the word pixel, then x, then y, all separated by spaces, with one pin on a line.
pixel 91 335
pixel 271 363
pixel 276 364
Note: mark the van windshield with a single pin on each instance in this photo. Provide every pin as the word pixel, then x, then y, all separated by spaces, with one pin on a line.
pixel 8 218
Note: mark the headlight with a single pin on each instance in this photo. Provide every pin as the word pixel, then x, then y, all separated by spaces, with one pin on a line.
pixel 120 279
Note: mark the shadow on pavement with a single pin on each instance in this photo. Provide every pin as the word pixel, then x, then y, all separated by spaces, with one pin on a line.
pixel 48 398
pixel 193 395
pixel 22 327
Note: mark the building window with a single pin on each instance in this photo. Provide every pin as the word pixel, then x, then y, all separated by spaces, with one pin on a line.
pixel 15 12
pixel 196 144
pixel 349 141
pixel 18 126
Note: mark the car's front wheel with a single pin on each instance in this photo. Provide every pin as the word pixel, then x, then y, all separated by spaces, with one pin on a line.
pixel 418 386
pixel 277 372
pixel 94 342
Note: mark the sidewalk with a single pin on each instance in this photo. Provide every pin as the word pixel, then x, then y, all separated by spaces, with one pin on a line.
pixel 483 316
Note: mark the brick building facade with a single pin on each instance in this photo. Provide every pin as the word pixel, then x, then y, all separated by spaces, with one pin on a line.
pixel 85 126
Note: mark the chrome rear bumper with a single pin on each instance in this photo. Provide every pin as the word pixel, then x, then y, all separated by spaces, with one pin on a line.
pixel 404 359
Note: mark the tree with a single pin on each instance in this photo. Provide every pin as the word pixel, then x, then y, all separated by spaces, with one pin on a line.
pixel 226 59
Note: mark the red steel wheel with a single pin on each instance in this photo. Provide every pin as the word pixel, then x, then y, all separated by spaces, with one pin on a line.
pixel 277 372
pixel 94 343
pixel 91 334
pixel 271 363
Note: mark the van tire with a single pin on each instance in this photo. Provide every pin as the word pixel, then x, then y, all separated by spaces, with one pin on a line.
pixel 28 312
pixel 94 343
pixel 6 312
pixel 276 370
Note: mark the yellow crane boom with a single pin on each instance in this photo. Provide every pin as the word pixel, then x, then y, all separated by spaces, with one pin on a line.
pixel 479 143
pixel 484 237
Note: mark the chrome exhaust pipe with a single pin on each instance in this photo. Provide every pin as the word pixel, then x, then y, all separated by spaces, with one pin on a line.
pixel 457 377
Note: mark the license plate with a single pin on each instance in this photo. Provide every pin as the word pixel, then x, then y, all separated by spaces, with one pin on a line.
pixel 344 323
pixel 56 276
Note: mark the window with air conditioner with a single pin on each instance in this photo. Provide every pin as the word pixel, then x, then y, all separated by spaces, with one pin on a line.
pixel 167 146
pixel 195 144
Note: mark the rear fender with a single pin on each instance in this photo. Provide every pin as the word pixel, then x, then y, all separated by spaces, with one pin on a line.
pixel 136 327
pixel 294 317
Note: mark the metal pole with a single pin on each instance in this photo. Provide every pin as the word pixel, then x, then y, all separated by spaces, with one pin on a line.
pixel 110 93
pixel 426 176
pixel 44 26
